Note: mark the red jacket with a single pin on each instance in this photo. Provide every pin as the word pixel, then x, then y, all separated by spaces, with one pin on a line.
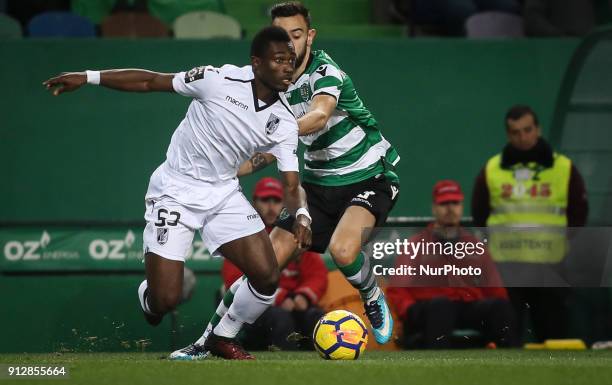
pixel 307 275
pixel 405 291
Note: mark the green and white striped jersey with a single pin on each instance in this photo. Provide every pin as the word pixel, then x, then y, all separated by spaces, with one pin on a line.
pixel 350 148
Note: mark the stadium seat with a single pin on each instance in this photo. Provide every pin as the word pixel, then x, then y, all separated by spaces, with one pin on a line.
pixel 95 11
pixel 206 25
pixel 169 10
pixel 133 24
pixel 60 24
pixel 494 25
pixel 9 27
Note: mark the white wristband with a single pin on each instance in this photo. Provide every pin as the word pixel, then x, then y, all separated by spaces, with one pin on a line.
pixel 303 211
pixel 93 77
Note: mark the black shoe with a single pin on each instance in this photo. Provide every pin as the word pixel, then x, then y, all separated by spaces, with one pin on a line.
pixel 151 318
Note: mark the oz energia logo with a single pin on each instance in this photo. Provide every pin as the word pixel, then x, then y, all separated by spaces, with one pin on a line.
pixel 27 250
pixel 114 248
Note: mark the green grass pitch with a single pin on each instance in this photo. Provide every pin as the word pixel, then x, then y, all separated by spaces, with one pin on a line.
pixel 489 367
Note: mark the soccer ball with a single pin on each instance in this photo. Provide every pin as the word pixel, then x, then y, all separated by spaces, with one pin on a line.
pixel 340 335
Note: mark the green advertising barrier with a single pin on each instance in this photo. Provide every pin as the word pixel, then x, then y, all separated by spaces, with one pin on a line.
pixel 85 249
pixel 73 288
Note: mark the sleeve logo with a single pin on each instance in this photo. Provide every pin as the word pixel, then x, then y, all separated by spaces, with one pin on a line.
pixel 322 70
pixel 196 73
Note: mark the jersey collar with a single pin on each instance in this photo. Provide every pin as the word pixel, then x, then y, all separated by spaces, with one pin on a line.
pixel 259 107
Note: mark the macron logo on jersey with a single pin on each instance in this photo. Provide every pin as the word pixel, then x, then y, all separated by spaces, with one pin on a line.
pixel 322 70
pixel 236 102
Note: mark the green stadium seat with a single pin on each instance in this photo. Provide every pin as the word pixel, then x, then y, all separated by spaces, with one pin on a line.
pixel 252 13
pixel 9 27
pixel 206 25
pixel 95 11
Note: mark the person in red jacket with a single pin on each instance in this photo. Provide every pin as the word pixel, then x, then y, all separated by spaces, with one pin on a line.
pixel 432 306
pixel 303 282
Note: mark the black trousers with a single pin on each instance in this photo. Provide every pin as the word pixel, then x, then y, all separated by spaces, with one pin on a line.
pixel 275 325
pixel 547 308
pixel 430 324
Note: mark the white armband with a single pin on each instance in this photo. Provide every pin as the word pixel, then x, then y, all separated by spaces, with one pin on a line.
pixel 303 211
pixel 93 77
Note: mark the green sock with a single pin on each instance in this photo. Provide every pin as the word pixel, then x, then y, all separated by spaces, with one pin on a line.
pixel 360 275
pixel 228 298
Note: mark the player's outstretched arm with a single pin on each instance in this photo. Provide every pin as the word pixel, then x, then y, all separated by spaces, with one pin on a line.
pixel 257 162
pixel 321 109
pixel 131 80
pixel 295 202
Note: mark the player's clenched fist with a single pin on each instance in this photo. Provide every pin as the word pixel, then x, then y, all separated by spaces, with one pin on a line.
pixel 66 82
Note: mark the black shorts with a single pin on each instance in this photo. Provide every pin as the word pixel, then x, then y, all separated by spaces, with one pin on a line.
pixel 327 204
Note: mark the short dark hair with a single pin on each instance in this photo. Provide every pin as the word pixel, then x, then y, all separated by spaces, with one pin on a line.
pixel 518 111
pixel 264 37
pixel 290 8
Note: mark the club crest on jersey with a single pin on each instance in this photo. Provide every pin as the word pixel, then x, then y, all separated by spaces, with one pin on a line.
pixel 162 235
pixel 305 92
pixel 272 125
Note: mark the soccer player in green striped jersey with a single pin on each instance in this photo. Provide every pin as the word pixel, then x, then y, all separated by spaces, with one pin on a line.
pixel 349 173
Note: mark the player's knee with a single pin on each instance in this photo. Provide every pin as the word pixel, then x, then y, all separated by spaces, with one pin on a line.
pixel 344 253
pixel 266 280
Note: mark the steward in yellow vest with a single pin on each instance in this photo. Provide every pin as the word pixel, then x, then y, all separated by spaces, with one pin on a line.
pixel 527 195
pixel 536 194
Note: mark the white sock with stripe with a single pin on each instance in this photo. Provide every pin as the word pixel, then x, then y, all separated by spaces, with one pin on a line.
pixel 248 305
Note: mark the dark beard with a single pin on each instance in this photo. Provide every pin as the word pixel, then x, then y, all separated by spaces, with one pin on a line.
pixel 300 59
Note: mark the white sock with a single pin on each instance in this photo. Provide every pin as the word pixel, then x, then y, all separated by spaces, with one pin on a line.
pixel 226 301
pixel 248 305
pixel 205 335
pixel 372 294
pixel 144 304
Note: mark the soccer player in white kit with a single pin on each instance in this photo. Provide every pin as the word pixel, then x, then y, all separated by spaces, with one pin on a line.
pixel 235 112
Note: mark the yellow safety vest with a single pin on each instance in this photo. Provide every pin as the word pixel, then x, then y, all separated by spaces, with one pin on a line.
pixel 528 210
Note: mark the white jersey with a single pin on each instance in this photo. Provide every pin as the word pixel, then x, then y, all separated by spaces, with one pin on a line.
pixel 224 126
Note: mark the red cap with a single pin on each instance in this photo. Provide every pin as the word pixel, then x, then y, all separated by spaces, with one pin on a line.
pixel 268 187
pixel 446 191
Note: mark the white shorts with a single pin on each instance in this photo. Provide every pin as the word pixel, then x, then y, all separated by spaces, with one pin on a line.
pixel 171 225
